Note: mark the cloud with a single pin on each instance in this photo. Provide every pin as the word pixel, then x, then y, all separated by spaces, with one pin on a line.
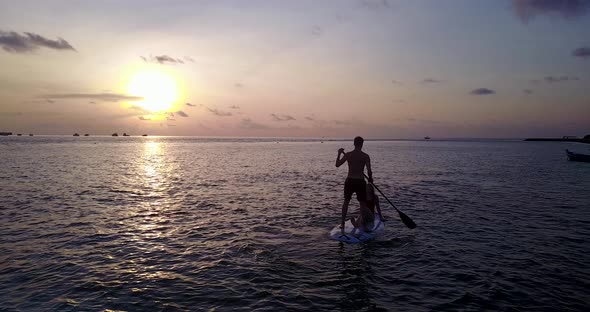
pixel 91 102
pixel 238 85
pixel 482 91
pixel 553 79
pixel 583 52
pixel 374 4
pixel 396 82
pixel 162 59
pixel 50 101
pixel 247 123
pixel 527 10
pixel 143 118
pixel 431 80
pixel 527 91
pixel 400 101
pixel 316 30
pixel 342 122
pixel 234 107
pixel 189 59
pixel 310 118
pixel 140 110
pixel 191 105
pixel 216 112
pixel 108 97
pixel 276 117
pixel 181 114
pixel 14 42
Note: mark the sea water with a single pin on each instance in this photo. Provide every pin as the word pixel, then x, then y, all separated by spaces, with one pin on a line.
pixel 206 224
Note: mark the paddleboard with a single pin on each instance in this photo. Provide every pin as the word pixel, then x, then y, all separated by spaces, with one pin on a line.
pixel 354 235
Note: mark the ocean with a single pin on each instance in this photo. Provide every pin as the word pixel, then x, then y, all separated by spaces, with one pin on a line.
pixel 211 224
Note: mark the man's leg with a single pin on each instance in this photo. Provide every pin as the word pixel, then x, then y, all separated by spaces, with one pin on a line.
pixel 344 211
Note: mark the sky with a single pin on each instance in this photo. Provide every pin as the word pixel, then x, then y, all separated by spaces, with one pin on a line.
pixel 305 68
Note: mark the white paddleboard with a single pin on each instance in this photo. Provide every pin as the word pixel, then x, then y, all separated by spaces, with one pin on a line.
pixel 354 235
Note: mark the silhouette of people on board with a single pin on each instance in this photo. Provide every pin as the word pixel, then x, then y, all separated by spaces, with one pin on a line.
pixel 355 183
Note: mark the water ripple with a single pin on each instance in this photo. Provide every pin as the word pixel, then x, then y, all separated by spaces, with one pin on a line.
pixel 181 224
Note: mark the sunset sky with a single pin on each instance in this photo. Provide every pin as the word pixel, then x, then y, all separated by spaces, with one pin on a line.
pixel 381 69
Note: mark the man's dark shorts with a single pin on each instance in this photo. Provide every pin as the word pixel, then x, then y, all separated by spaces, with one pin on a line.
pixel 357 186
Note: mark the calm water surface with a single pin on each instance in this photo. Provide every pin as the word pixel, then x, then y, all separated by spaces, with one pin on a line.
pixel 173 224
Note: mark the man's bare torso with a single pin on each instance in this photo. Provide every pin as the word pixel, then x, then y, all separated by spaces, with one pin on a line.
pixel 356 164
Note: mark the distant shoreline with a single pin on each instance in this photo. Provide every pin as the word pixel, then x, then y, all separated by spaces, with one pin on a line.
pixel 558 140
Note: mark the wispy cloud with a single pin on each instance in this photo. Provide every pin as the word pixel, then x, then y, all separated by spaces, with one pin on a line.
pixel 248 123
pixel 374 4
pixel 162 59
pixel 181 114
pixel 582 52
pixel 216 111
pixel 189 59
pixel 431 80
pixel 316 30
pixel 143 118
pixel 527 10
pixel 527 91
pixel 234 107
pixel 238 85
pixel 482 91
pixel 343 122
pixel 310 118
pixel 553 79
pixel 191 105
pixel 14 42
pixel 276 117
pixel 108 97
pixel 396 82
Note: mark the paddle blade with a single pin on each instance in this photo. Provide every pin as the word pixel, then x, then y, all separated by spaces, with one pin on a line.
pixel 406 220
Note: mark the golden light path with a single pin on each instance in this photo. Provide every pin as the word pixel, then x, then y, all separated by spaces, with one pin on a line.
pixel 158 87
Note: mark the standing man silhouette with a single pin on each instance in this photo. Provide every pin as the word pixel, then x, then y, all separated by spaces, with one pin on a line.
pixel 355 180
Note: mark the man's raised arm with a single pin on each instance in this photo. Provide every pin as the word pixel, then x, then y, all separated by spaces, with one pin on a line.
pixel 340 161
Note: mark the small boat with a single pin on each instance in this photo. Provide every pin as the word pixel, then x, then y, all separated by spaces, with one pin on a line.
pixel 86 134
pixel 30 134
pixel 577 156
pixel 19 134
pixel 5 133
pixel 76 134
pixel 115 134
pixel 426 138
pixel 125 134
pixel 144 135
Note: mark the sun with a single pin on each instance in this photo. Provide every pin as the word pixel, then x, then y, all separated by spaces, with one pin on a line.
pixel 159 89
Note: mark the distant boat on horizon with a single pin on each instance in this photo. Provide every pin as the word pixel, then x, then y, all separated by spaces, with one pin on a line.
pixel 125 134
pixel 115 134
pixel 144 135
pixel 5 133
pixel 30 134
pixel 76 134
pixel 19 134
pixel 86 134
pixel 426 138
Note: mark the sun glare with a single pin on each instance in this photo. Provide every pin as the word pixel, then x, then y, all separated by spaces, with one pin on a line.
pixel 158 89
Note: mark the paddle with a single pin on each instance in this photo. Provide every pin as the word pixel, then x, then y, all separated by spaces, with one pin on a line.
pixel 405 219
